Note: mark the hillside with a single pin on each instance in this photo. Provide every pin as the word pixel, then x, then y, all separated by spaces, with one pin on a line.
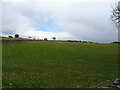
pixel 58 64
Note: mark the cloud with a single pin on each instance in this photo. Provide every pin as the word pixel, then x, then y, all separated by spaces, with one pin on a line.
pixel 71 19
pixel 49 35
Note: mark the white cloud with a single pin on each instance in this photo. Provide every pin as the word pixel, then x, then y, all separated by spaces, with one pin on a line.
pixel 72 19
pixel 49 35
pixel 13 1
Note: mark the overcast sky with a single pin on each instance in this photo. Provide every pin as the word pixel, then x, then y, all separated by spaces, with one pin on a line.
pixel 64 19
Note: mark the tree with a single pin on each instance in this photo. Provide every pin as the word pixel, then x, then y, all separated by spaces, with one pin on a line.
pixel 29 37
pixel 54 38
pixel 10 36
pixel 16 35
pixel 45 39
pixel 116 14
pixel 33 38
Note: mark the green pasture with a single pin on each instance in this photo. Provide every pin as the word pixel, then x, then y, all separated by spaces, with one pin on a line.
pixel 5 38
pixel 55 64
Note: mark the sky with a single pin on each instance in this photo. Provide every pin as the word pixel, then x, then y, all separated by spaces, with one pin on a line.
pixel 87 20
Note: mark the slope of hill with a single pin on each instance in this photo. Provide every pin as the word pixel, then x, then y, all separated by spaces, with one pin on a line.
pixel 58 64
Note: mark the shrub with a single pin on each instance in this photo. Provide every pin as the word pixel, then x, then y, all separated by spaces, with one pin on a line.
pixel 16 35
pixel 45 39
pixel 10 36
pixel 54 38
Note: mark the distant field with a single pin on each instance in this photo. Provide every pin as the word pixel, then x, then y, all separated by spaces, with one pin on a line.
pixel 58 64
pixel 5 38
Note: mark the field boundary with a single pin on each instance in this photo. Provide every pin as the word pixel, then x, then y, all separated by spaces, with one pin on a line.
pixel 15 41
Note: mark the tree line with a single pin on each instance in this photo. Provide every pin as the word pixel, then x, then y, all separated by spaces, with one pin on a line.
pixel 18 36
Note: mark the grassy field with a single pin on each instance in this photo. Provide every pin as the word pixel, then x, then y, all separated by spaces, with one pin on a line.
pixel 6 38
pixel 58 64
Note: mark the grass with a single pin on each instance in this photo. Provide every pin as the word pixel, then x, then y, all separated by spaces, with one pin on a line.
pixel 58 64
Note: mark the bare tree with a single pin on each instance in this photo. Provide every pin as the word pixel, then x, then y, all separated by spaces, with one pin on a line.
pixel 116 14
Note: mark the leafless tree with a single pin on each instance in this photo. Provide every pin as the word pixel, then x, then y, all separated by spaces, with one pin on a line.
pixel 116 14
